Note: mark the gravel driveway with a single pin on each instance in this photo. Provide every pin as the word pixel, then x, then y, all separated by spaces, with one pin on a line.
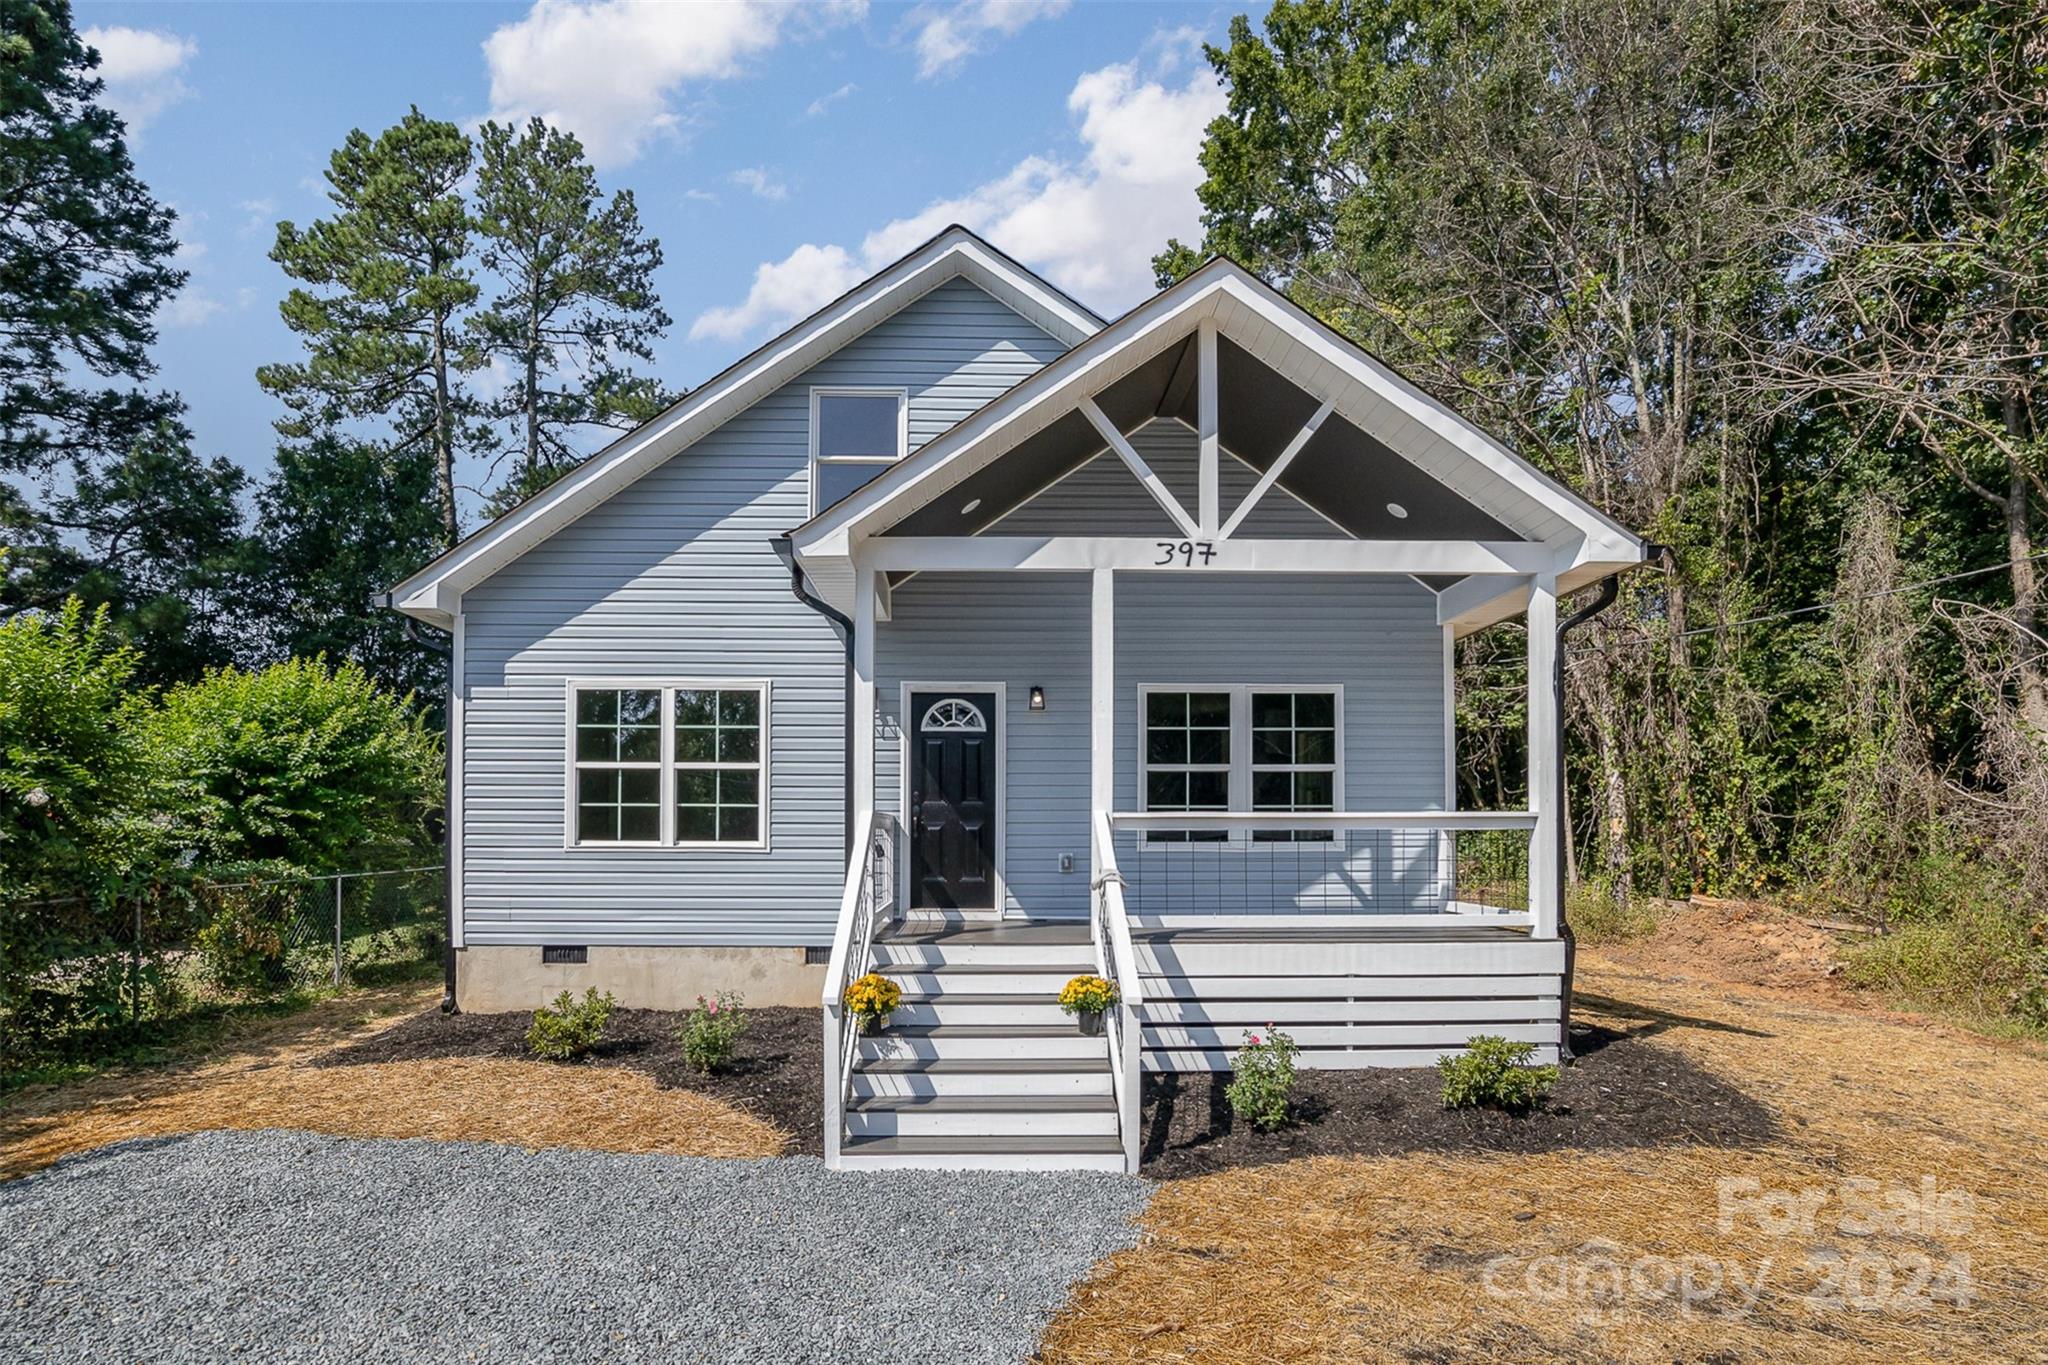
pixel 283 1246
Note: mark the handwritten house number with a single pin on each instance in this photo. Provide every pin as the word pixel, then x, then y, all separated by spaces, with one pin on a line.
pixel 1184 552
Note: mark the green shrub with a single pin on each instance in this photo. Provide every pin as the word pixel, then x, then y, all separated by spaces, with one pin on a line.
pixel 712 1032
pixel 1261 1078
pixel 1976 962
pixel 570 1028
pixel 1495 1073
pixel 1597 916
pixel 296 765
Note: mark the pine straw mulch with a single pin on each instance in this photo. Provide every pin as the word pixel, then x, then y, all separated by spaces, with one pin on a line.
pixel 1439 1257
pixel 264 1078
pixel 776 1076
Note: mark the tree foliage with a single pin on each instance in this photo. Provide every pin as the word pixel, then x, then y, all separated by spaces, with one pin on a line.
pixel 389 278
pixel 578 303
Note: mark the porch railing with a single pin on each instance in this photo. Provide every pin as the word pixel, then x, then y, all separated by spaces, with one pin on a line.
pixel 870 893
pixel 1388 868
pixel 1109 931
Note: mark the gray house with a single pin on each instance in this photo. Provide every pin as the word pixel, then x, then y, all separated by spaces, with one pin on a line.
pixel 961 635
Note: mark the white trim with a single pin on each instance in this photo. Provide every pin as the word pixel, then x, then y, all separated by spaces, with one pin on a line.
pixel 1336 919
pixel 1275 470
pixel 458 738
pixel 862 715
pixel 1207 473
pixel 1101 709
pixel 953 254
pixel 665 764
pixel 1067 554
pixel 1126 452
pixel 818 391
pixel 1241 766
pixel 1001 908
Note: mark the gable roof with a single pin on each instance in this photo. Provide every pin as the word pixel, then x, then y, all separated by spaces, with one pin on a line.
pixel 1403 423
pixel 955 253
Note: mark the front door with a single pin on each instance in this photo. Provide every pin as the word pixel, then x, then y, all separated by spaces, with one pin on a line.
pixel 953 798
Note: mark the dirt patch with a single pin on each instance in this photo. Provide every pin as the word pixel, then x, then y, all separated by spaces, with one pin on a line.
pixel 1622 1092
pixel 777 1075
pixel 1745 943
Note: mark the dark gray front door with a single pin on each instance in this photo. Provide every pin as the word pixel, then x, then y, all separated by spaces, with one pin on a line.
pixel 953 800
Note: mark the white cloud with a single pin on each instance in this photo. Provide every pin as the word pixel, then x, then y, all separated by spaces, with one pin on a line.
pixel 947 37
pixel 191 308
pixel 759 182
pixel 1091 224
pixel 257 215
pixel 826 101
pixel 700 196
pixel 609 70
pixel 142 70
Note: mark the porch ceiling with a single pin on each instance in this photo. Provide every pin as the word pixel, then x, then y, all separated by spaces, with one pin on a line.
pixel 1342 472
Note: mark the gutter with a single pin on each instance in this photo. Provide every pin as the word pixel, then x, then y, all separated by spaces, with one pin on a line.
pixel 786 552
pixel 1610 588
pixel 445 652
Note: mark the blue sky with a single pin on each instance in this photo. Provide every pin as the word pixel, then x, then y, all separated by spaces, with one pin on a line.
pixel 779 152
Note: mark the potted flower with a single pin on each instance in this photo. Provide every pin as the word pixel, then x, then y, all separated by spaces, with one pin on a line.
pixel 873 999
pixel 1088 998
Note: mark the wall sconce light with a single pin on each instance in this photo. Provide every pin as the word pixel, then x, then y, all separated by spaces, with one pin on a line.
pixel 1037 697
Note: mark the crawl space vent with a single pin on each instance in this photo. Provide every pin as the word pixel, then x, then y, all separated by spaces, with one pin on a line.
pixel 562 955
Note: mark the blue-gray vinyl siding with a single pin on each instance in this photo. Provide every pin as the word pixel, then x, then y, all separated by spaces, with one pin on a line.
pixel 676 578
pixel 1376 637
pixel 1103 497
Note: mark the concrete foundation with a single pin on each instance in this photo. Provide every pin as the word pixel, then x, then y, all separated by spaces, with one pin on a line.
pixel 495 980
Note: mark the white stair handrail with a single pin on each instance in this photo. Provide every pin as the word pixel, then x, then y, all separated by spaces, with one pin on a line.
pixel 870 890
pixel 1117 960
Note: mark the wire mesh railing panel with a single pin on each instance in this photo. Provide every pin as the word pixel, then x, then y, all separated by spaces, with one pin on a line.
pixel 1334 872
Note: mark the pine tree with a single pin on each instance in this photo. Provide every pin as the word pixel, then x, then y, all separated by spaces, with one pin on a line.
pixel 578 302
pixel 84 264
pixel 389 286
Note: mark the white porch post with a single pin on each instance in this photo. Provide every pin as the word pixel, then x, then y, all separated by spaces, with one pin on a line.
pixel 1101 702
pixel 1211 449
pixel 863 718
pixel 1543 756
pixel 1447 842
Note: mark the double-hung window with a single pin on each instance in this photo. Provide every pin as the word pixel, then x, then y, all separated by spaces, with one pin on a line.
pixel 855 435
pixel 671 765
pixel 1241 748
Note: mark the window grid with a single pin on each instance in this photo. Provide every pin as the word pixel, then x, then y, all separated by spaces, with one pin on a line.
pixel 675 765
pixel 1276 749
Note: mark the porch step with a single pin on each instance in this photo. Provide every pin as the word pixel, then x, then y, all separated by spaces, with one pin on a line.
pixel 910 955
pixel 1067 1153
pixel 974 1007
pixel 983 1076
pixel 961 1042
pixel 981 1116
pixel 990 979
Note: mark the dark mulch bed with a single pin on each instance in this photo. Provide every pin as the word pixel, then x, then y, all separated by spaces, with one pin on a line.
pixel 778 1073
pixel 1621 1092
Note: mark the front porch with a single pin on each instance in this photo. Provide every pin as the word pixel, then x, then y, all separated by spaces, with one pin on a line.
pixel 1152 671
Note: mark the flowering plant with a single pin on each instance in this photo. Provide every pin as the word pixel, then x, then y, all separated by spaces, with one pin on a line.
pixel 712 1032
pixel 1088 995
pixel 874 996
pixel 1261 1075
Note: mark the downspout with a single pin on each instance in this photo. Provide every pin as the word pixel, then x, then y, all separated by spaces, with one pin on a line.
pixel 445 652
pixel 844 624
pixel 1610 588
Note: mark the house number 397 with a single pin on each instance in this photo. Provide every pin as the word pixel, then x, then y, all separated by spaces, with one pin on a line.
pixel 1185 552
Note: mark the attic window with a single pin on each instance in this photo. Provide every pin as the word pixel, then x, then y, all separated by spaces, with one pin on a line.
pixel 855 435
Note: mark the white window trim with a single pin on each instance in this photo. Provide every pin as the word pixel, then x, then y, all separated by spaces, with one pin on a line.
pixel 818 391
pixel 1241 743
pixel 668 687
pixel 1000 727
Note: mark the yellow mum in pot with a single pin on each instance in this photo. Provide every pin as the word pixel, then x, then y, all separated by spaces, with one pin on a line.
pixel 1087 998
pixel 873 998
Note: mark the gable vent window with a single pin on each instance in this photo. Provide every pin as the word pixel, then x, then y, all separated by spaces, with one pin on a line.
pixel 855 435
pixel 669 765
